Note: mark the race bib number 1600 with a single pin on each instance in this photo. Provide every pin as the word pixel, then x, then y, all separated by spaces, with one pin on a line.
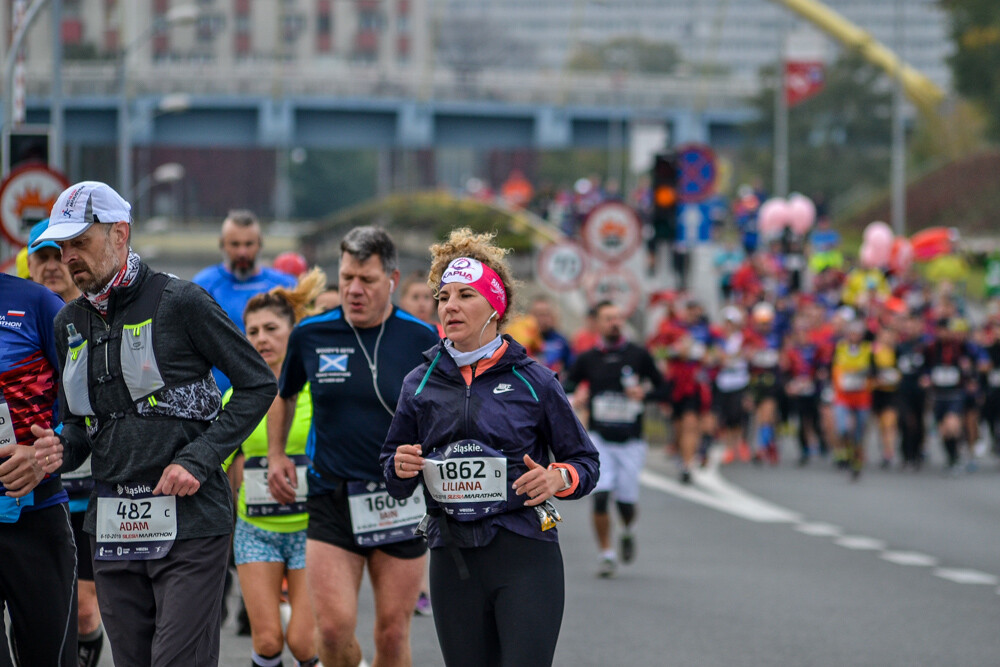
pixel 378 518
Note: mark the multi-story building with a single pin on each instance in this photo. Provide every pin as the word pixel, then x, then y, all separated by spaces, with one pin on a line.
pixel 405 39
pixel 233 37
pixel 265 76
pixel 735 36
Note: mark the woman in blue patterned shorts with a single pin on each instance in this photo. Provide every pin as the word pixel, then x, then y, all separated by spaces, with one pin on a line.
pixel 270 540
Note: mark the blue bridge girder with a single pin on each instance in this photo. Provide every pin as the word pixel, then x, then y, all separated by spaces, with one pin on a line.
pixel 317 122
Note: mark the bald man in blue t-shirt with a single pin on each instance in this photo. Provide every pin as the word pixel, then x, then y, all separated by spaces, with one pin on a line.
pixel 238 278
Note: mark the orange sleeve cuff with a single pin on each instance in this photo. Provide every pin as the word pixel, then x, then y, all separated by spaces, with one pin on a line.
pixel 573 476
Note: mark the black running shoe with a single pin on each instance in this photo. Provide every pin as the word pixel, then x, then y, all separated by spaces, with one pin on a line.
pixel 627 547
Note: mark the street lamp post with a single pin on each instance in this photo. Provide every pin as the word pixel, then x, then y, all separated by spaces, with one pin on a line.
pixel 183 14
pixel 8 74
pixel 898 167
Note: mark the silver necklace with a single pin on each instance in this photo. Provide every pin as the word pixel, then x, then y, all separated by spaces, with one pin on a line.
pixel 373 361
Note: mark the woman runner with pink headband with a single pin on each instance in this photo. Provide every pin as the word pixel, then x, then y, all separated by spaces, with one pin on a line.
pixel 475 424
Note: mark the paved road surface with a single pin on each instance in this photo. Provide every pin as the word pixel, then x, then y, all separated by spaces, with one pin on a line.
pixel 785 566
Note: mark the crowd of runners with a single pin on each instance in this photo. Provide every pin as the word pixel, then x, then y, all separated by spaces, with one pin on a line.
pixel 812 346
pixel 164 388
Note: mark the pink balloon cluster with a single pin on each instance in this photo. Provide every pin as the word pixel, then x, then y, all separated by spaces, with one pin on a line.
pixel 797 213
pixel 880 249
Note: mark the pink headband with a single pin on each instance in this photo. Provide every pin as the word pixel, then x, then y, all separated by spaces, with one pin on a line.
pixel 479 277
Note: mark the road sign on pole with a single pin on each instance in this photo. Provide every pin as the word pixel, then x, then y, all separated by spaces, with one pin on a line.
pixel 612 232
pixel 696 164
pixel 616 284
pixel 27 196
pixel 562 265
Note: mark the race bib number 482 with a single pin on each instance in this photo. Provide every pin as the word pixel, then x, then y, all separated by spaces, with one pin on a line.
pixel 135 528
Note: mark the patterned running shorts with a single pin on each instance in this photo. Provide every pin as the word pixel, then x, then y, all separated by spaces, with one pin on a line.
pixel 256 545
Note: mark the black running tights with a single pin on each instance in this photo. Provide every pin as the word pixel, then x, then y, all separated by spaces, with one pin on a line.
pixel 508 612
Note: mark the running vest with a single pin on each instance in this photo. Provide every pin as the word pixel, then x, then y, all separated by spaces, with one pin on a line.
pixel 138 367
pixel 852 364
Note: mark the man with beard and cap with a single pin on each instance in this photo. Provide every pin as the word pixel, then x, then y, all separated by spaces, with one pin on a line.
pixel 613 380
pixel 239 277
pixel 137 396
pixel 47 268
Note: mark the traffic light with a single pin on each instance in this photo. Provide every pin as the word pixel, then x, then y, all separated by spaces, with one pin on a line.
pixel 28 144
pixel 665 197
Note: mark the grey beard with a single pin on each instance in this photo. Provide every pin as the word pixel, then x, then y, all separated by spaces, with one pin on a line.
pixel 96 284
pixel 241 273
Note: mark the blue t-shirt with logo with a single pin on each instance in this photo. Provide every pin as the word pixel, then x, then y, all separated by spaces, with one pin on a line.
pixel 28 363
pixel 349 421
pixel 233 294
pixel 557 354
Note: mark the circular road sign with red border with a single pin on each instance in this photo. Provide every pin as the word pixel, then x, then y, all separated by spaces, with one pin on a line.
pixel 562 265
pixel 616 284
pixel 27 196
pixel 612 231
pixel 696 172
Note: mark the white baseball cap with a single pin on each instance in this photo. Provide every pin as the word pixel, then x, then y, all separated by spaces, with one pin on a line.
pixel 81 205
pixel 732 314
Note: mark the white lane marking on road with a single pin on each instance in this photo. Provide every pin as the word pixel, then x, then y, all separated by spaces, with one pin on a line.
pixel 742 505
pixel 860 543
pixel 713 482
pixel 819 529
pixel 711 490
pixel 966 576
pixel 913 558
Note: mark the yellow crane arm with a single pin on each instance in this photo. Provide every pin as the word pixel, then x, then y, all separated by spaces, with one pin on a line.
pixel 923 92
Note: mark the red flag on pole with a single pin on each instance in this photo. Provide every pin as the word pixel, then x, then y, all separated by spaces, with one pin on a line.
pixel 803 79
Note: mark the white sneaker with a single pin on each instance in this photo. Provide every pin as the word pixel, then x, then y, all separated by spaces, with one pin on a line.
pixel 981 448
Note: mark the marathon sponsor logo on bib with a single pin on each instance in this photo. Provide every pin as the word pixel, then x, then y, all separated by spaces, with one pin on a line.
pixel 733 376
pixel 378 518
pixel 889 376
pixel 257 495
pixel 7 436
pixel 802 386
pixel 765 358
pixel 133 524
pixel 945 376
pixel 468 479
pixel 615 408
pixel 853 381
